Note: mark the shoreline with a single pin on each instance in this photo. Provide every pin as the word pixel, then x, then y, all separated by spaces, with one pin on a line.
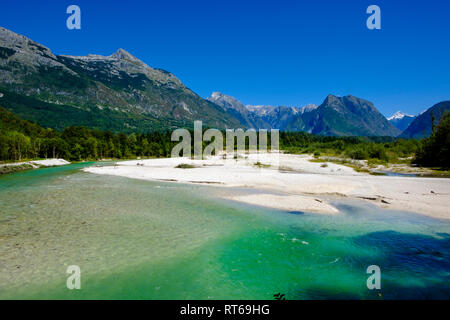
pixel 302 185
pixel 387 169
pixel 6 168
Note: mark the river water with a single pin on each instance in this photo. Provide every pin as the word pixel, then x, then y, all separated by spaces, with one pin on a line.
pixel 136 239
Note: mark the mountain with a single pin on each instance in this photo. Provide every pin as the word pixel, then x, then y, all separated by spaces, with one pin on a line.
pixel 401 120
pixel 235 108
pixel 308 108
pixel 117 92
pixel 348 116
pixel 422 125
pixel 227 102
pixel 335 116
pixel 261 117
pixel 123 94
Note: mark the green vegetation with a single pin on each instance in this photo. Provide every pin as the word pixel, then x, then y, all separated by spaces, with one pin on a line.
pixel 21 139
pixel 14 168
pixel 261 165
pixel 56 78
pixel 59 117
pixel 435 150
pixel 185 166
pixel 377 150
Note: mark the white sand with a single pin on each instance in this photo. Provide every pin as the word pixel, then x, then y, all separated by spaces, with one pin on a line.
pixel 287 202
pixel 51 162
pixel 302 182
pixel 39 163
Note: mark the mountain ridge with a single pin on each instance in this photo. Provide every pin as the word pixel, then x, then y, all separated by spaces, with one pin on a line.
pixel 422 125
pixel 122 93
pixel 108 84
pixel 347 115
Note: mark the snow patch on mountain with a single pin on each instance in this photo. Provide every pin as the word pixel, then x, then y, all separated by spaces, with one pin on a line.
pixel 399 115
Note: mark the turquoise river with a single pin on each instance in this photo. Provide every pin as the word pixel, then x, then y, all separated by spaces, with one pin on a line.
pixel 158 240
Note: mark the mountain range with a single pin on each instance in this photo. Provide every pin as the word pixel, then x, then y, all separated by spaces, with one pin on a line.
pixel 118 92
pixel 347 115
pixel 123 94
pixel 259 117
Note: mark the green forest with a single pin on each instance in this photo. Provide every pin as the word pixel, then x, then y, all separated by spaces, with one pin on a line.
pixel 21 139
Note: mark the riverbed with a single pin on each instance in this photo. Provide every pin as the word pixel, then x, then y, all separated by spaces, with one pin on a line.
pixel 137 239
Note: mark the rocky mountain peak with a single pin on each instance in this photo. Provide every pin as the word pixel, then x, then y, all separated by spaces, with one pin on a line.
pixel 11 38
pixel 225 101
pixel 308 108
pixel 122 83
pixel 216 94
pixel 19 44
pixel 330 99
pixel 121 54
pixel 401 120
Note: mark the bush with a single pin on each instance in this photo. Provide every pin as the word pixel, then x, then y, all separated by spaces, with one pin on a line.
pixel 377 151
pixel 358 154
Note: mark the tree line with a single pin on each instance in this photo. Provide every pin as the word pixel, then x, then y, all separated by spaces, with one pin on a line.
pixel 435 150
pixel 21 139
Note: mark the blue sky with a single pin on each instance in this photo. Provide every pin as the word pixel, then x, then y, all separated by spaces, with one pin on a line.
pixel 264 52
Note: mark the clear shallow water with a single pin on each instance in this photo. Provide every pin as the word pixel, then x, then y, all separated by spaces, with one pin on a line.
pixel 150 240
pixel 398 174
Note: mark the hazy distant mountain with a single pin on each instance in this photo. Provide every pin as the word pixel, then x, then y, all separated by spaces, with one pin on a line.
pixel 117 92
pixel 401 120
pixel 422 126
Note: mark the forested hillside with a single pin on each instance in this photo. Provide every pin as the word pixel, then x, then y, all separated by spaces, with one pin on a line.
pixel 21 139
